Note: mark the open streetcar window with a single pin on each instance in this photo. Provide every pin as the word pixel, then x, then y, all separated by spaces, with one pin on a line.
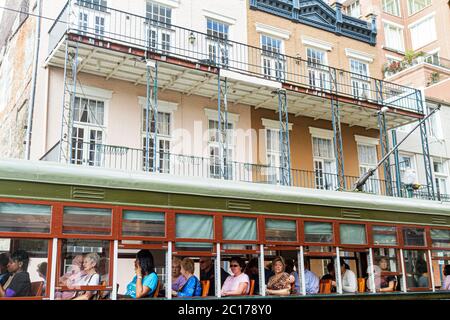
pixel 24 268
pixel 28 218
pixel 417 270
pixel 93 221
pixel 440 261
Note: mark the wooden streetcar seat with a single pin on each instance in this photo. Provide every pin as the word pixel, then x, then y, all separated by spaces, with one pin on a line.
pixel 158 286
pixel 36 288
pixel 251 292
pixel 325 286
pixel 361 285
pixel 205 287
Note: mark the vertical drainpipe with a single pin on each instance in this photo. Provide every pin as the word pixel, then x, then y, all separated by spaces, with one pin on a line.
pixel 37 43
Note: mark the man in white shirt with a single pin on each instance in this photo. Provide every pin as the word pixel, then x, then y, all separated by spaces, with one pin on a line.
pixel 349 283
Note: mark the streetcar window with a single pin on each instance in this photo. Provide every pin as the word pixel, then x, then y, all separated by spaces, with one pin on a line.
pixel 236 228
pixel 143 224
pixel 281 230
pixel 440 238
pixel 384 235
pixel 416 268
pixel 352 233
pixel 191 226
pixel 25 218
pixel 87 221
pixel 414 237
pixel 318 232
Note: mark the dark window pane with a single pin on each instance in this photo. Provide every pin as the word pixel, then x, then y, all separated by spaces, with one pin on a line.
pixel 414 237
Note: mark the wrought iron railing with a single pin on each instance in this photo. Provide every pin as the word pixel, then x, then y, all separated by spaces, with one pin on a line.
pixel 134 159
pixel 160 37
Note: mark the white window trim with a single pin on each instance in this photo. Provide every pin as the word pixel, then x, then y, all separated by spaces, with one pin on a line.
pixel 360 61
pixel 363 140
pixel 169 3
pixel 321 133
pixel 163 106
pixel 307 41
pixel 273 31
pixel 212 114
pixel 428 16
pixel 219 17
pixel 388 56
pixel 325 56
pixel 93 93
pixel 436 50
pixel 393 24
pixel 274 124
pixel 399 6
pixel 366 57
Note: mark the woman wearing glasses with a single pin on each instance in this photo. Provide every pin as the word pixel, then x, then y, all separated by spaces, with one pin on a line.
pixel 238 283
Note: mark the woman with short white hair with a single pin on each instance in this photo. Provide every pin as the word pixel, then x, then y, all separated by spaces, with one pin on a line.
pixel 90 278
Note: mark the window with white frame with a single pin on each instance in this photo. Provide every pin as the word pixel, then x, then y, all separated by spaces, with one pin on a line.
pixel 440 176
pixel 99 5
pixel 218 50
pixel 354 9
pixel 434 126
pixel 158 30
pixel 83 22
pixel 215 165
pixel 417 5
pixel 317 70
pixel 433 58
pixel 367 156
pixel 88 132
pixel 406 164
pixel 360 80
pixel 392 7
pixel 92 17
pixel 163 141
pixel 393 37
pixel 423 32
pixel 273 154
pixel 100 25
pixel 272 58
pixel 324 163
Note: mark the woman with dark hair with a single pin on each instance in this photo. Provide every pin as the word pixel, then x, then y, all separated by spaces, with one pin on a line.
pixel 18 283
pixel 238 283
pixel 145 281
pixel 446 284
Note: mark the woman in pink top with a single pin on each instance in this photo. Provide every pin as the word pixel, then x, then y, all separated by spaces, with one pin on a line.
pixel 238 283
pixel 446 284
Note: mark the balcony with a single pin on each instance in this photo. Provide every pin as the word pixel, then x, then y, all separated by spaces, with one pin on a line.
pixel 134 160
pixel 190 62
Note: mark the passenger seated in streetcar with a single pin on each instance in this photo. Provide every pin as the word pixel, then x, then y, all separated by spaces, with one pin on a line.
pixel 331 275
pixel 70 278
pixel 280 283
pixel 422 273
pixel 207 273
pixel 18 283
pixel 446 284
pixel 90 278
pixel 42 272
pixel 238 283
pixel 312 281
pixel 349 283
pixel 178 280
pixel 145 282
pixel 192 287
pixel 4 260
pixel 383 283
pixel 290 268
pixel 252 271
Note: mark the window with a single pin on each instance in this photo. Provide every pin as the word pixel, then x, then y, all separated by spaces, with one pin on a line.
pixel 352 233
pixel 99 5
pixel 87 221
pixel 89 111
pixel 440 176
pixel 192 226
pixel 324 164
pixel 433 58
pixel 100 26
pixel 281 230
pixel 394 37
pixel 391 7
pixel 317 71
pixel 16 217
pixel 159 13
pixel 414 237
pixel 389 254
pixel 384 235
pixel 83 22
pixel 417 5
pixel 354 9
pixel 434 123
pixel 318 232
pixel 360 82
pixel 272 58
pixel 416 268
pixel 215 167
pixel 236 228
pixel 367 156
pixel 407 168
pixel 218 51
pixel 164 141
pixel 273 154
pixel 143 224
pixel 423 33
pixel 440 238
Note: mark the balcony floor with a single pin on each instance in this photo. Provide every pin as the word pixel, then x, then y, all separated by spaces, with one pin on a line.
pixel 116 61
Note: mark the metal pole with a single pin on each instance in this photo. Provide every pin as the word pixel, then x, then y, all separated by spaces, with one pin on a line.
pixel 402 263
pixel 384 141
pixel 218 280
pixel 262 275
pixel 72 103
pixel 301 265
pixel 338 274
pixel 433 288
pixel 398 178
pixel 53 268
pixel 285 167
pixel 372 271
pixel 115 269
pixel 169 270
